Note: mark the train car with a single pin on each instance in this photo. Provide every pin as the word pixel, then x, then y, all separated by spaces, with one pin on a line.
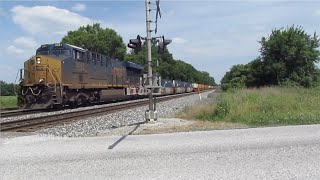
pixel 61 74
pixel 178 87
pixel 195 87
pixel 167 87
pixel 188 86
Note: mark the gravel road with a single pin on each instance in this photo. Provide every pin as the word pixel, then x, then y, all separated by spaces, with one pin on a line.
pixel 291 152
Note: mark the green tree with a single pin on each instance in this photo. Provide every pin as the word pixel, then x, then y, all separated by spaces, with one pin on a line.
pixel 7 89
pixel 290 54
pixel 169 68
pixel 236 77
pixel 288 57
pixel 96 39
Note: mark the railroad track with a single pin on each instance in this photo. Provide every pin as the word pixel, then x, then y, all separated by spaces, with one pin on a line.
pixel 36 123
pixel 5 114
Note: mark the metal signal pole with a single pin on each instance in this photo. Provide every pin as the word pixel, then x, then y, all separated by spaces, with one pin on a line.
pixel 151 115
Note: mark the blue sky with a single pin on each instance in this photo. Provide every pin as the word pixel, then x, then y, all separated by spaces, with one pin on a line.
pixel 210 35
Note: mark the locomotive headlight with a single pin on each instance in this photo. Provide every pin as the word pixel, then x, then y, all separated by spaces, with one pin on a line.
pixel 38 60
pixel 41 80
pixel 21 81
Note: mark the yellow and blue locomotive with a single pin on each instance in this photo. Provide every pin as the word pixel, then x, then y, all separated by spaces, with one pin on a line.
pixel 63 74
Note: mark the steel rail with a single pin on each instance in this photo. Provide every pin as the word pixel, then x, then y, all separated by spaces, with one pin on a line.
pixel 5 114
pixel 33 124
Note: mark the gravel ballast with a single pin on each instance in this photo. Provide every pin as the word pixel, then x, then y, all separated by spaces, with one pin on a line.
pixel 95 125
pixel 61 111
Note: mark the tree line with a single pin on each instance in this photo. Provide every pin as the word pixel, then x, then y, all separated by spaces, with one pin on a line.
pixel 7 89
pixel 288 57
pixel 107 41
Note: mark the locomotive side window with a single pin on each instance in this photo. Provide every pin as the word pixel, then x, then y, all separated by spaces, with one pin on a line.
pixel 94 56
pixel 88 57
pixel 102 59
pixel 98 58
pixel 107 60
pixel 84 56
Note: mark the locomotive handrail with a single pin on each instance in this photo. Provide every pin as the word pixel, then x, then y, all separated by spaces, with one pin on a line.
pixel 55 82
pixel 15 81
pixel 60 82
pixel 14 85
pixel 54 79
pixel 36 94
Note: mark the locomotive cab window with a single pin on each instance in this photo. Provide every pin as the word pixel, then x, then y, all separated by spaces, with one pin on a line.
pixel 60 52
pixel 44 52
pixel 78 55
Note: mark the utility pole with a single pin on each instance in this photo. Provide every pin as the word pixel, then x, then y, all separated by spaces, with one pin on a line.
pixel 151 114
pixel 151 85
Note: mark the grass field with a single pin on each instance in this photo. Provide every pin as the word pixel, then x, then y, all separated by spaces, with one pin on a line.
pixel 262 107
pixel 8 102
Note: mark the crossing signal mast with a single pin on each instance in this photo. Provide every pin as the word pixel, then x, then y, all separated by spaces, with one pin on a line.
pixel 152 87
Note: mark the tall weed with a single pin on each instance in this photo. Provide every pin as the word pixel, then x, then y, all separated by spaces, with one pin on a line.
pixel 269 106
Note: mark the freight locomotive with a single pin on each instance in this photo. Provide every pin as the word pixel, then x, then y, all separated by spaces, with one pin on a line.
pixel 64 74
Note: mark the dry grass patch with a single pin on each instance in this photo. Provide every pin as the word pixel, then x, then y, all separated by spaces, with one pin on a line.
pixel 193 126
pixel 199 111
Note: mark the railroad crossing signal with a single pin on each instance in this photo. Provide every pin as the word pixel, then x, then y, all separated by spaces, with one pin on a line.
pixel 150 88
pixel 162 43
pixel 135 44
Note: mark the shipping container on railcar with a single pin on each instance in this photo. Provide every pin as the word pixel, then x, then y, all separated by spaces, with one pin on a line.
pixel 167 87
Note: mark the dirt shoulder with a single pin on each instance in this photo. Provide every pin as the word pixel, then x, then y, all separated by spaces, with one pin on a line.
pixel 178 123
pixel 169 125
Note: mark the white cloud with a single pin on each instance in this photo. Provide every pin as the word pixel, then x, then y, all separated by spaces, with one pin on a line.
pixel 47 19
pixel 8 73
pixel 224 34
pixel 317 12
pixel 79 7
pixel 22 47
pixel 14 50
pixel 26 42
pixel 179 40
pixel 1 12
